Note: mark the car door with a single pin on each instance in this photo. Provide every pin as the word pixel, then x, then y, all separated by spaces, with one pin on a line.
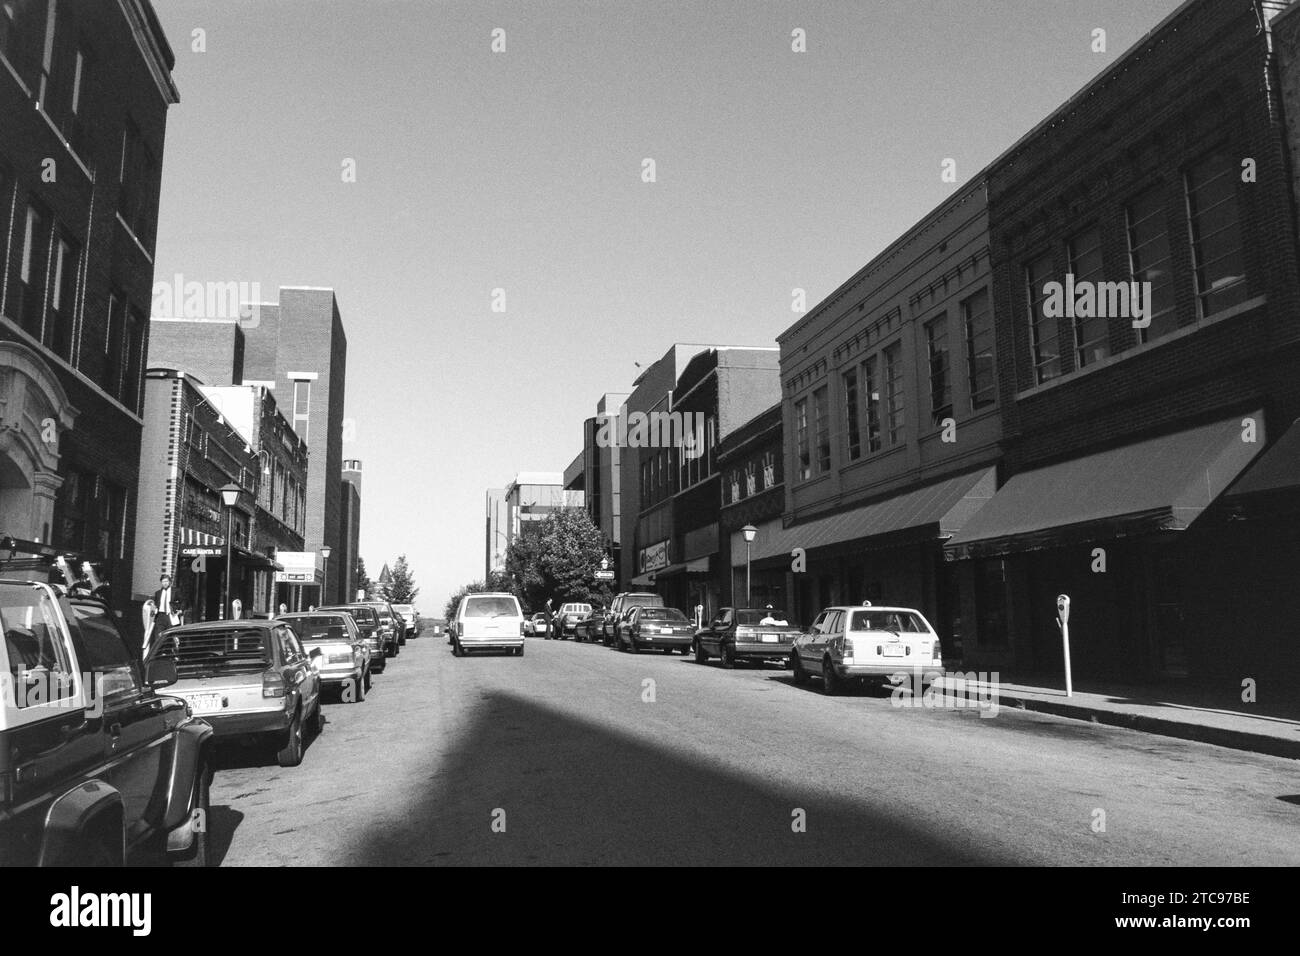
pixel 717 631
pixel 138 724
pixel 308 681
pixel 809 644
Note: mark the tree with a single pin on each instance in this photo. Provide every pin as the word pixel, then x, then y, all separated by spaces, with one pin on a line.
pixel 401 589
pixel 557 558
pixel 363 580
pixel 496 581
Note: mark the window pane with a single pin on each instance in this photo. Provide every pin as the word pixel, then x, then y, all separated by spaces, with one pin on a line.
pixel 1149 261
pixel 802 445
pixel 851 416
pixel 894 393
pixel 1091 334
pixel 871 393
pixel 821 416
pixel 1213 220
pixel 977 318
pixel 936 334
pixel 1043 331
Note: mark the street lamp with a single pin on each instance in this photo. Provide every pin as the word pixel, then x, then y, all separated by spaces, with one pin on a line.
pixel 325 553
pixel 230 497
pixel 748 531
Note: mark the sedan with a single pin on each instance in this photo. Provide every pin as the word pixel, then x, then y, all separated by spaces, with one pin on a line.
pixel 345 656
pixel 743 633
pixel 659 628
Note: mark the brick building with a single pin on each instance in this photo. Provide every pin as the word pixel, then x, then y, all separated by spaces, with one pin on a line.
pixel 349 558
pixel 751 470
pixel 84 93
pixel 1122 431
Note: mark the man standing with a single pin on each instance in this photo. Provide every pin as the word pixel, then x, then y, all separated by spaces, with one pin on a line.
pixel 166 612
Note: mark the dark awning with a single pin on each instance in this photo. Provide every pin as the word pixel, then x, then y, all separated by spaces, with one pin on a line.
pixel 1159 484
pixel 939 509
pixel 696 566
pixel 1277 469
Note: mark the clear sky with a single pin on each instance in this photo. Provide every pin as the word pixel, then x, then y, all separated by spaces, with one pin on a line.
pixel 522 170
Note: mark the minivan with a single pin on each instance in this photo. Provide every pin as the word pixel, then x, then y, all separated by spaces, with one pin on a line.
pixel 492 621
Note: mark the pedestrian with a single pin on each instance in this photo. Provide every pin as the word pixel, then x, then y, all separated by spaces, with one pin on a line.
pixel 167 613
pixel 550 621
pixel 284 609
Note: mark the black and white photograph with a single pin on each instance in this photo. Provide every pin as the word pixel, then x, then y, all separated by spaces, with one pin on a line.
pixel 446 434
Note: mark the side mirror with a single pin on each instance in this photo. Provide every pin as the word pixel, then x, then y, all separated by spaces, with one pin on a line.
pixel 161 672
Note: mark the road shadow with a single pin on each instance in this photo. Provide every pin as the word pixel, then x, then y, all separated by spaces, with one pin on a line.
pixel 569 791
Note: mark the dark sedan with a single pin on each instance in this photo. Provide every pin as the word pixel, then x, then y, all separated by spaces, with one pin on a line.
pixel 748 634
pixel 656 628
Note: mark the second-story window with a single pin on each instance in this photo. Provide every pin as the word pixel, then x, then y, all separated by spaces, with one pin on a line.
pixel 871 397
pixel 1149 261
pixel 134 361
pixel 32 270
pixel 1213 218
pixel 115 323
pixel 1044 333
pixel 802 441
pixel 977 321
pixel 1091 334
pixel 822 419
pixel 137 173
pixel 936 339
pixel 769 470
pixel 63 294
pixel 852 421
pixel 751 479
pixel 894 404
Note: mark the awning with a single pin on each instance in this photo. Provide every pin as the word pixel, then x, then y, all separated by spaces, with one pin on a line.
pixel 251 559
pixel 1277 469
pixel 697 566
pixel 1155 485
pixel 643 580
pixel 937 510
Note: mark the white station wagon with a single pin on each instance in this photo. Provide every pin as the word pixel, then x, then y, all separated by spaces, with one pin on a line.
pixel 864 643
pixel 488 622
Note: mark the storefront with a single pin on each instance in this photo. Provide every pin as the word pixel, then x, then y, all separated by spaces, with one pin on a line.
pixel 299 580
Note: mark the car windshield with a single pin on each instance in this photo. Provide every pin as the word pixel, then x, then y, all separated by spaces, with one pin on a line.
pixel 318 628
pixel 663 614
pixel 210 652
pixel 362 615
pixel 767 617
pixel 896 622
pixel 491 607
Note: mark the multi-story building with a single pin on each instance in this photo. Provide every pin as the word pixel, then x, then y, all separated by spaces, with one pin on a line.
pixel 1129 409
pixel 751 469
pixel 279 481
pixel 190 452
pixel 602 479
pixel 297 347
pixel 891 422
pixel 534 495
pixel 349 560
pixel 84 92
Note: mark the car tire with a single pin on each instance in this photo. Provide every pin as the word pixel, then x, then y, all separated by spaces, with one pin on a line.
pixel 318 722
pixel 290 755
pixel 365 680
pixel 360 688
pixel 727 654
pixel 832 685
pixel 698 650
pixel 796 669
pixel 199 855
pixel 520 651
pixel 457 650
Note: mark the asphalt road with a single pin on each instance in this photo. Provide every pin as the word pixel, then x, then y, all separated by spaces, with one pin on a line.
pixel 559 758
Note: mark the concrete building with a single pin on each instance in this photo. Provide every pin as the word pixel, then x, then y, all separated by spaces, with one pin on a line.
pixel 497 537
pixel 80 167
pixel 298 348
pixel 279 481
pixel 602 478
pixel 348 562
pixel 190 451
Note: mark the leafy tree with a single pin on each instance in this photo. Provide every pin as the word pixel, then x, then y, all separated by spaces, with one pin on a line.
pixel 557 558
pixel 402 589
pixel 363 579
pixel 496 581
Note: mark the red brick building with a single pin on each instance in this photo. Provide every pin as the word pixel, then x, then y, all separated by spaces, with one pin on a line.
pixel 84 92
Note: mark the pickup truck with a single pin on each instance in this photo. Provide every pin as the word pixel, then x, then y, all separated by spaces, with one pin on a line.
pixel 97 768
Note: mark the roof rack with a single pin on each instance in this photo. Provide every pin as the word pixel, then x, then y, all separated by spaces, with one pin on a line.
pixel 20 556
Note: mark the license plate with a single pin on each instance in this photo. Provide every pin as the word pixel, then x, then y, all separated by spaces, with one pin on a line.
pixel 205 703
pixel 770 639
pixel 665 630
pixel 894 650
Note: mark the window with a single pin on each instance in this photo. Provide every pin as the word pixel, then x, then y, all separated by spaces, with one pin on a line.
pixel 936 336
pixel 853 429
pixel 977 320
pixel 63 295
pixel 31 273
pixel 871 393
pixel 733 484
pixel 751 479
pixel 1091 335
pixel 894 393
pixel 22 25
pixel 769 470
pixel 1216 235
pixel 40 668
pixel 301 407
pixel 802 448
pixel 114 669
pixel 1148 252
pixel 111 371
pixel 822 422
pixel 1044 334
pixel 134 359
pixel 137 174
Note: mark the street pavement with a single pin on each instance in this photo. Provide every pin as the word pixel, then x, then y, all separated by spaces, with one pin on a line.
pixel 576 754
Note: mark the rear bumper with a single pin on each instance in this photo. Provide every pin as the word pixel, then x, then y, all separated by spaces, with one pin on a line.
pixel 759 651
pixel 885 670
pixel 250 723
pixel 663 640
pixel 485 643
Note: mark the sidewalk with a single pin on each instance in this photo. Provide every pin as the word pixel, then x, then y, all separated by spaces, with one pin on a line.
pixel 1190 712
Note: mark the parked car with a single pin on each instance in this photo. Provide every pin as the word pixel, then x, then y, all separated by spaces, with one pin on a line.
pixel 96 772
pixel 746 634
pixel 535 626
pixel 571 614
pixel 252 680
pixel 656 628
pixel 588 629
pixel 618 609
pixel 410 618
pixel 345 666
pixel 488 621
pixel 866 643
pixel 391 635
pixel 366 619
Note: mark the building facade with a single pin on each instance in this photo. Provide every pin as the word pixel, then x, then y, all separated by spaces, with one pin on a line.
pixel 84 93
pixel 751 469
pixel 349 560
pixel 497 539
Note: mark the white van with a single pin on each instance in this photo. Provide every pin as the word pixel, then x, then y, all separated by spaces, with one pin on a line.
pixel 491 621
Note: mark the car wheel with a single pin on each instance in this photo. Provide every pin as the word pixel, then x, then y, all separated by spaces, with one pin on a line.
pixel 831 682
pixel 198 854
pixel 631 645
pixel 698 649
pixel 290 755
pixel 360 688
pixel 519 652
pixel 457 650
pixel 727 654
pixel 796 669
pixel 318 722
pixel 365 680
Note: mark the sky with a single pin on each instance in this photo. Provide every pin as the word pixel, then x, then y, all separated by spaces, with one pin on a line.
pixel 523 171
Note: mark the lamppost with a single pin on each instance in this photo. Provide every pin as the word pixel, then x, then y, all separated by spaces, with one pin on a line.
pixel 748 531
pixel 230 497
pixel 325 553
